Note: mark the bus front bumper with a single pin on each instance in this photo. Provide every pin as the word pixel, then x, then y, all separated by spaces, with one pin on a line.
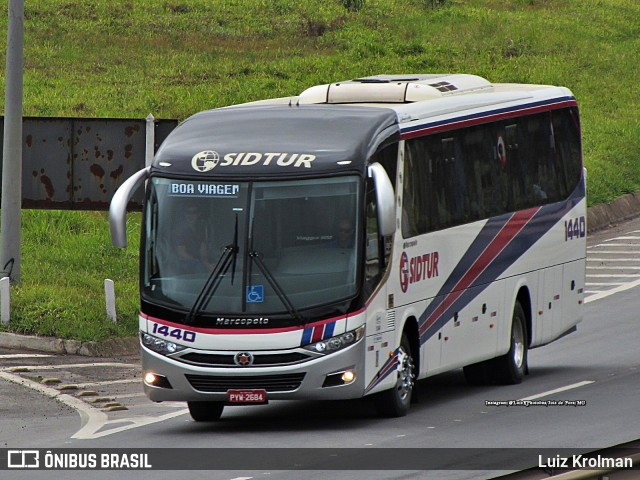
pixel 321 378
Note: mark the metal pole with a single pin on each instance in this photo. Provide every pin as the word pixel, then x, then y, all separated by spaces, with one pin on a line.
pixel 10 221
pixel 5 301
pixel 150 140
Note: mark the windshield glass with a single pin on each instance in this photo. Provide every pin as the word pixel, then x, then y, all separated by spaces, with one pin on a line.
pixel 250 248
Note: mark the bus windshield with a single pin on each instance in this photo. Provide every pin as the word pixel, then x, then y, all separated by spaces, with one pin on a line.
pixel 250 248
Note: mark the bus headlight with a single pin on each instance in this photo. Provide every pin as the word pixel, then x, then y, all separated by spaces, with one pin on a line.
pixel 336 343
pixel 338 379
pixel 156 380
pixel 159 345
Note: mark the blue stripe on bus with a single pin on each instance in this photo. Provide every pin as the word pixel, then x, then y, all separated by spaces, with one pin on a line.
pixel 475 116
pixel 306 336
pixel 328 330
pixel 540 223
pixel 387 368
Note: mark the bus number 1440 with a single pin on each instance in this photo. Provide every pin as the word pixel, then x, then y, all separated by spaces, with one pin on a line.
pixel 575 228
pixel 177 333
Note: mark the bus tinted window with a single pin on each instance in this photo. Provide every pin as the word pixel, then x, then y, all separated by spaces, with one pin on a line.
pixel 388 158
pixel 487 170
pixel 567 148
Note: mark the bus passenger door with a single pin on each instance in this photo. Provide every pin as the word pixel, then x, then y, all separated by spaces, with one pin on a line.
pixel 381 324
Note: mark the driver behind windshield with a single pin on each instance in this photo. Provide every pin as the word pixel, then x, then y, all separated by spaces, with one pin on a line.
pixel 191 245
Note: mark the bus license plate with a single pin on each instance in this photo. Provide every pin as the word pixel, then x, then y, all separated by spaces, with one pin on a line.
pixel 247 396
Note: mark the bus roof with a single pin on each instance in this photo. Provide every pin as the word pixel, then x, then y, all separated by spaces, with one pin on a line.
pixel 276 140
pixel 338 126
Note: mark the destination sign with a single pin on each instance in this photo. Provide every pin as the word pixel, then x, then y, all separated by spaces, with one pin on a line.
pixel 196 189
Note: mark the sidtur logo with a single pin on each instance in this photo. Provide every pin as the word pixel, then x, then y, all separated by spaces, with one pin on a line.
pixel 417 269
pixel 205 161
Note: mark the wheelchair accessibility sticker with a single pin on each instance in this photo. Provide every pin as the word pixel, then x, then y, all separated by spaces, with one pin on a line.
pixel 255 293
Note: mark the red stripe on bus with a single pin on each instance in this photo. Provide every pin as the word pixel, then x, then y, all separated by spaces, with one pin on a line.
pixel 485 119
pixel 243 331
pixel 318 333
pixel 515 224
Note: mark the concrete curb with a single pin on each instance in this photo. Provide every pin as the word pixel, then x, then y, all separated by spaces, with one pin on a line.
pixel 621 209
pixel 599 217
pixel 114 347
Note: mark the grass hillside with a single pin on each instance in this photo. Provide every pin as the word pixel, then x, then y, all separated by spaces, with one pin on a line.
pixel 117 58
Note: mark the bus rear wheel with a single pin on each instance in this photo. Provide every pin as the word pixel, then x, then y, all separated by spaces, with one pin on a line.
pixel 510 368
pixel 205 411
pixel 396 401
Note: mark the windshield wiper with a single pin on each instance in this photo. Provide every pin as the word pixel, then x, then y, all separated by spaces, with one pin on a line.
pixel 256 257
pixel 234 245
pixel 227 259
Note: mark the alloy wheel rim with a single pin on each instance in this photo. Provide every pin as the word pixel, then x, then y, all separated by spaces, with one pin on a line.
pixel 406 378
pixel 518 350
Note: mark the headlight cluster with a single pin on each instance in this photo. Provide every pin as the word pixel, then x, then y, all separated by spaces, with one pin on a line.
pixel 336 343
pixel 160 345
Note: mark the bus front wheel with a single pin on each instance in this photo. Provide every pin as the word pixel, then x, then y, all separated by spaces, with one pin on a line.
pixel 396 401
pixel 205 411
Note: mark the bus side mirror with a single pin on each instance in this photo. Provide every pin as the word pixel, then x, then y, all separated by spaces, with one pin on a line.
pixel 118 207
pixel 385 199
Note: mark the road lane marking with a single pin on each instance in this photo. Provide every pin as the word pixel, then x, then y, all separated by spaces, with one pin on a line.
pixel 558 390
pixel 92 419
pixel 75 365
pixel 133 422
pixel 152 405
pixel 110 382
pixel 617 252
pixel 608 259
pixel 9 356
pixel 614 268
pixel 615 244
pixel 606 293
pixel 613 275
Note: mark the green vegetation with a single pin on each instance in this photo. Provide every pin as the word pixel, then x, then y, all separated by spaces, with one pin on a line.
pixel 65 258
pixel 119 58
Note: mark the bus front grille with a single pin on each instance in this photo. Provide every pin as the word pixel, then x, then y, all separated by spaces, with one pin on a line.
pixel 270 383
pixel 222 360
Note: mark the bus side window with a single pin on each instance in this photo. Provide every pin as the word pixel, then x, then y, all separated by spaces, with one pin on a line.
pixel 375 251
pixel 568 158
pixel 544 179
pixel 388 158
pixel 438 173
pixel 516 186
pixel 472 153
pixel 417 203
pixel 454 189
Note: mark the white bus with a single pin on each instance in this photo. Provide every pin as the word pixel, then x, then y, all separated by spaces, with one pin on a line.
pixel 356 238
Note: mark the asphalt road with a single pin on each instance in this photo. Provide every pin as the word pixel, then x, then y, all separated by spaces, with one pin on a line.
pixel 594 372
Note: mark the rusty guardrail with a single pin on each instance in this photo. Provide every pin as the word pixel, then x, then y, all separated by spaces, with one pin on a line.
pixel 78 163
